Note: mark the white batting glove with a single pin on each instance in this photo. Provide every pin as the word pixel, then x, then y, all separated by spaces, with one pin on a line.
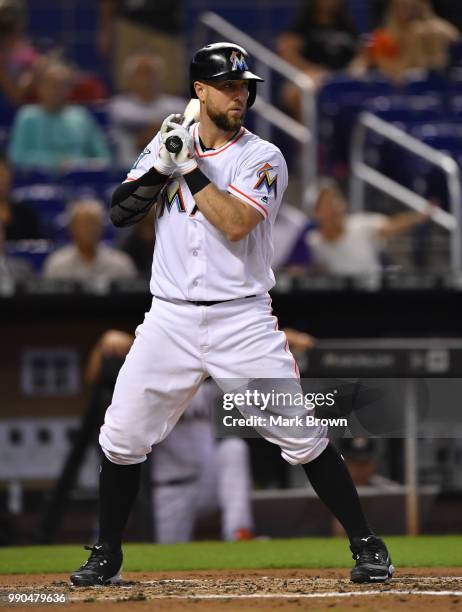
pixel 184 159
pixel 164 162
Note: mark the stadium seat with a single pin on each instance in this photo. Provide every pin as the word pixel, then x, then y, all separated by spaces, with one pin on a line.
pixel 87 182
pixel 47 200
pixel 455 105
pixel 341 100
pixel 426 83
pixel 35 176
pixel 100 111
pixel 406 110
pixel 338 87
pixel 440 135
pixel 33 251
pixel 456 54
pixel 7 113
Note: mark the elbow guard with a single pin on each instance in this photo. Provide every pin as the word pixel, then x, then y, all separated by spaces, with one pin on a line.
pixel 131 201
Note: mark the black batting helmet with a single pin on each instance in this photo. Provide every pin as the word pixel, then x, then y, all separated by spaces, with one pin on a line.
pixel 223 61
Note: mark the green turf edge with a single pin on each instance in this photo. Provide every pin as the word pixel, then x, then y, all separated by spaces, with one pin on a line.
pixel 422 551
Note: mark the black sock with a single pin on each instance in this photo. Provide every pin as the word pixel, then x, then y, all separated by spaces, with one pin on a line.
pixel 118 487
pixel 330 478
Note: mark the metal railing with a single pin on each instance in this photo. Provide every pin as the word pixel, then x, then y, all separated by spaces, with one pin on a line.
pixel 362 174
pixel 267 114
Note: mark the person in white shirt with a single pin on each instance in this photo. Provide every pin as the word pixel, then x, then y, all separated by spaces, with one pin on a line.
pixel 351 244
pixel 138 112
pixel 220 191
pixel 87 258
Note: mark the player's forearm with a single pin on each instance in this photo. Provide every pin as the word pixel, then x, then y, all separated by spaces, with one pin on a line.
pixel 132 200
pixel 232 217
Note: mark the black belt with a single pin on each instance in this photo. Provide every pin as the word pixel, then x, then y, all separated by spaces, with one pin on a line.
pixel 205 303
pixel 202 303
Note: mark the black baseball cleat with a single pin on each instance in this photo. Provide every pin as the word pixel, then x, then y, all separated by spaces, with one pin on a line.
pixel 103 567
pixel 373 563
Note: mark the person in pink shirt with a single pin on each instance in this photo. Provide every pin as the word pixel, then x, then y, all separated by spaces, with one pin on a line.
pixel 18 59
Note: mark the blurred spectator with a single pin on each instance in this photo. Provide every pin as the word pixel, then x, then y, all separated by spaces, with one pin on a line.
pixel 139 244
pixel 412 37
pixel 321 39
pixel 53 134
pixel 144 26
pixel 20 222
pixel 137 114
pixel 436 35
pixel 290 250
pixel 12 268
pixel 449 10
pixel 18 58
pixel 361 457
pixel 87 258
pixel 299 342
pixel 352 244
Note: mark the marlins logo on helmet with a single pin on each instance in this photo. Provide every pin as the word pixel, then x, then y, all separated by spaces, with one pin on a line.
pixel 238 62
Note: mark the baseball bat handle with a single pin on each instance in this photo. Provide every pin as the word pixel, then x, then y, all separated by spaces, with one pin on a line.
pixel 174 144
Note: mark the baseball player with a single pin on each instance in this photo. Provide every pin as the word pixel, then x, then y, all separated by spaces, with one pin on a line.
pixel 211 312
pixel 194 474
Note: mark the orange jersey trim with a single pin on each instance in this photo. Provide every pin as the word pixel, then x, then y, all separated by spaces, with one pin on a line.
pixel 218 151
pixel 262 208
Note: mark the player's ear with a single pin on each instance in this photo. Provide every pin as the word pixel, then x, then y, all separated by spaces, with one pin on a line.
pixel 200 91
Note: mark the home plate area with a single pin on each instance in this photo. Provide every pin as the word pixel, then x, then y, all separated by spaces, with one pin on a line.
pixel 285 591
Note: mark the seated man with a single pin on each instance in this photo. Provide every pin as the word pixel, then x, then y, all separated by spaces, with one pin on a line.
pixel 87 258
pixel 137 113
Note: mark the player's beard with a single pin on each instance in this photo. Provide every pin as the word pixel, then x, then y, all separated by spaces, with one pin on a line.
pixel 224 121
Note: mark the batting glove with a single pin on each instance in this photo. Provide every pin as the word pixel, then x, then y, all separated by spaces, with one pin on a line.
pixel 164 162
pixel 184 158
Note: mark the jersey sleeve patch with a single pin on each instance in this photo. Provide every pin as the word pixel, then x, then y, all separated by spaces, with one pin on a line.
pixel 261 180
pixel 267 179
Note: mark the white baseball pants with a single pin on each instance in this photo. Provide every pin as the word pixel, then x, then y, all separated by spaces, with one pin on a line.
pixel 176 347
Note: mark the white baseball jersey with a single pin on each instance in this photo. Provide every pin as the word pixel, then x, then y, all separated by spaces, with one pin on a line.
pixel 193 260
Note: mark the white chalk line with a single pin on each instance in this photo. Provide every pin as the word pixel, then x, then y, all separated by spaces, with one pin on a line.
pixel 422 579
pixel 277 595
pixel 294 595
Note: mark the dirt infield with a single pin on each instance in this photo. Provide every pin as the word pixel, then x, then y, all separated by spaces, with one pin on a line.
pixel 238 591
